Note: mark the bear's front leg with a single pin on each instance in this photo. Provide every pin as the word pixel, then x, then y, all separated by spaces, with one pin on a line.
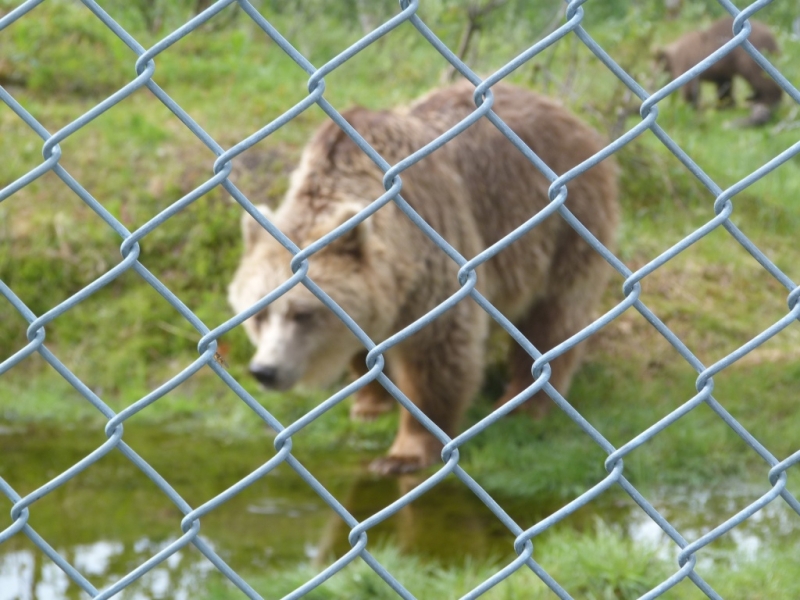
pixel 371 401
pixel 440 373
pixel 691 92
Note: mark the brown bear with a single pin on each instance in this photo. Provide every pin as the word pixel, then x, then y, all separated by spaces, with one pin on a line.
pixel 386 273
pixel 687 51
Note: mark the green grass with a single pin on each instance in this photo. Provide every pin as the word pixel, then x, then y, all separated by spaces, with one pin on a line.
pixel 137 158
pixel 601 564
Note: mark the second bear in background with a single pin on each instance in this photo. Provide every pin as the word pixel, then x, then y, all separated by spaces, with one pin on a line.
pixel 687 51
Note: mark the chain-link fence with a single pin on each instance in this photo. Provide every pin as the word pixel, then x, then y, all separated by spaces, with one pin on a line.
pixel 207 347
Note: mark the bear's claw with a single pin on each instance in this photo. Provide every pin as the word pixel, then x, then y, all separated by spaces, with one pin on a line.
pixel 396 465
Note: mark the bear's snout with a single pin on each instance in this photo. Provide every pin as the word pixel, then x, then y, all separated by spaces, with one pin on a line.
pixel 265 374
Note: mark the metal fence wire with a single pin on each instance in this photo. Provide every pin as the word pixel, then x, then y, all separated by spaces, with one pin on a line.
pixel 207 347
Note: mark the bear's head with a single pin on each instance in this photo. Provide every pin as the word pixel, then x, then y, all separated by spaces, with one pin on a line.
pixel 297 338
pixel 662 59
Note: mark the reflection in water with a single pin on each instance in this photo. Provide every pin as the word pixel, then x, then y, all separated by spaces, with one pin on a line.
pixel 111 519
pixel 93 559
pixel 16 576
pixel 696 512
pixel 21 579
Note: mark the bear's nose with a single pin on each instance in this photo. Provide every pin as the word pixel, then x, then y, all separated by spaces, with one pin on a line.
pixel 266 375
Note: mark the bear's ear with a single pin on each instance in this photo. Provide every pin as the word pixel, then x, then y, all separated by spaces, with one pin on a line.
pixel 250 227
pixel 334 141
pixel 352 241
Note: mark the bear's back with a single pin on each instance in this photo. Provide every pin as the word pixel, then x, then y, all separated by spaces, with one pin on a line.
pixel 721 31
pixel 506 189
pixel 495 170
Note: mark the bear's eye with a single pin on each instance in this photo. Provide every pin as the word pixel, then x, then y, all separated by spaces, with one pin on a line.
pixel 303 316
pixel 261 317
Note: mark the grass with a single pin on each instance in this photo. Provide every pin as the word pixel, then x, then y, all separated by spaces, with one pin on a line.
pixel 600 564
pixel 137 158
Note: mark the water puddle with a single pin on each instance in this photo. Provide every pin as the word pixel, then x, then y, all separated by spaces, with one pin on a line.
pixel 111 518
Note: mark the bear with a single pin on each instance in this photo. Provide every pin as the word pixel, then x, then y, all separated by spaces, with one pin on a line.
pixel 687 51
pixel 386 273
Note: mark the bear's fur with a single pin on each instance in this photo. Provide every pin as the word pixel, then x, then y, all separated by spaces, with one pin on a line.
pixel 386 273
pixel 687 51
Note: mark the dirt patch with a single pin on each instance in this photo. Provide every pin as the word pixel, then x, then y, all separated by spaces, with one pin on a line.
pixel 713 308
